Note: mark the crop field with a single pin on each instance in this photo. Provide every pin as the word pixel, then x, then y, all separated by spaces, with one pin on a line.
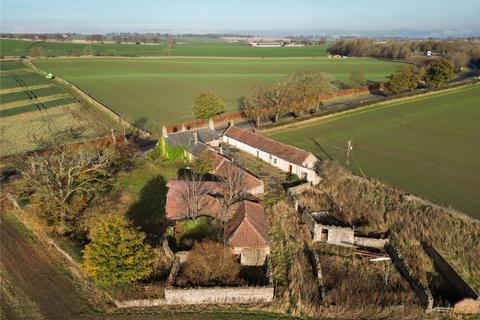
pixel 185 47
pixel 428 146
pixel 35 110
pixel 161 91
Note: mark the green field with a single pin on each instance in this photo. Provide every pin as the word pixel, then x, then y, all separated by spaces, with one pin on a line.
pixel 185 47
pixel 428 146
pixel 162 90
pixel 35 112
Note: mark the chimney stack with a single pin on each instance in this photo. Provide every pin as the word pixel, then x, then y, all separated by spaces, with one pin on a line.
pixel 164 132
pixel 230 123
pixel 195 137
pixel 183 127
pixel 211 124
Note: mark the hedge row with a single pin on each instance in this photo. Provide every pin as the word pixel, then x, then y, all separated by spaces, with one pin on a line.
pixel 36 107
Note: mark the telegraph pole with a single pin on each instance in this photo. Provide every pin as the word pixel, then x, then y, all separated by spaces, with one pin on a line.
pixel 349 150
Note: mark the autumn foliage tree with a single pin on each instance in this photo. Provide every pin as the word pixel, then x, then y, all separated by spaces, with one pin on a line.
pixel 210 263
pixel 60 185
pixel 117 253
pixel 406 77
pixel 439 72
pixel 208 105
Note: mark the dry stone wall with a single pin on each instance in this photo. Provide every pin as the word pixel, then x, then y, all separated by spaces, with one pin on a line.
pixel 245 295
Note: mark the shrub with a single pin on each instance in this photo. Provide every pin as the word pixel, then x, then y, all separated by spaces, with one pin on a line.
pixel 210 263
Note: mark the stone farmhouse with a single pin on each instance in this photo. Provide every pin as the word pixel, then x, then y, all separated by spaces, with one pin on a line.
pixel 247 233
pixel 246 230
pixel 280 155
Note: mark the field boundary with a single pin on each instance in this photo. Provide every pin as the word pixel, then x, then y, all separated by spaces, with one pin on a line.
pixel 369 107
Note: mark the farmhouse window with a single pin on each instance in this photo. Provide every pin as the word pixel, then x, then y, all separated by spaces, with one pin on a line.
pixel 304 175
pixel 290 168
pixel 258 153
pixel 324 235
pixel 275 160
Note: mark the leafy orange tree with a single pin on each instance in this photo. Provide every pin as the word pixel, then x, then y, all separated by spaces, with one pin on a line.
pixel 117 253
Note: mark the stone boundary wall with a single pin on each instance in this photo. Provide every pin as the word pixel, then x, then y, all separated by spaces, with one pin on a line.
pixel 230 295
pixel 458 284
pixel 297 190
pixel 370 242
pixel 423 293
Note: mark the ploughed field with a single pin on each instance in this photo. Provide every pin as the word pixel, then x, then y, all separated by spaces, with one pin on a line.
pixel 155 92
pixel 427 146
pixel 34 111
pixel 185 46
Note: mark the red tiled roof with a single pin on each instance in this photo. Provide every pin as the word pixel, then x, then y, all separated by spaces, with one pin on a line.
pixel 273 147
pixel 251 182
pixel 247 227
pixel 175 208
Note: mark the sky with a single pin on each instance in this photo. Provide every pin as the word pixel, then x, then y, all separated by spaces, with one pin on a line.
pixel 250 16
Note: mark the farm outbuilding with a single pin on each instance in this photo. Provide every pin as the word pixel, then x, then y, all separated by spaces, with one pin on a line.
pixel 247 233
pixel 277 154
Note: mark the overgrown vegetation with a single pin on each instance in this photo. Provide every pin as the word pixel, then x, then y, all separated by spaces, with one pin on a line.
pixel 209 263
pixel 408 222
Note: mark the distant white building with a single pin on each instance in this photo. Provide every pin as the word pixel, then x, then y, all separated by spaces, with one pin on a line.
pixel 266 44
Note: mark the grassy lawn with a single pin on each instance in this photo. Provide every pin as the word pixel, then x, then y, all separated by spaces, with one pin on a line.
pixel 429 146
pixel 146 187
pixel 162 90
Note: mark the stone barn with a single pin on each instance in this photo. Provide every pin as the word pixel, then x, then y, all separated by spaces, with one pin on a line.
pixel 246 232
pixel 277 154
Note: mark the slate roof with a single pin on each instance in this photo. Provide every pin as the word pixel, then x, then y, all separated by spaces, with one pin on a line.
pixel 247 227
pixel 278 149
pixel 186 139
pixel 175 208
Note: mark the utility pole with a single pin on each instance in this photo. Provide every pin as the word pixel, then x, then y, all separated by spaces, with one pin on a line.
pixel 349 150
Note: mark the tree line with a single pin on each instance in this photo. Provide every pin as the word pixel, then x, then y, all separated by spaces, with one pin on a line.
pixel 460 52
pixel 297 94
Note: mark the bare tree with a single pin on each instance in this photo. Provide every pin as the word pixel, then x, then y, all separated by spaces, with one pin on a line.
pixel 256 104
pixel 193 194
pixel 56 181
pixel 233 187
